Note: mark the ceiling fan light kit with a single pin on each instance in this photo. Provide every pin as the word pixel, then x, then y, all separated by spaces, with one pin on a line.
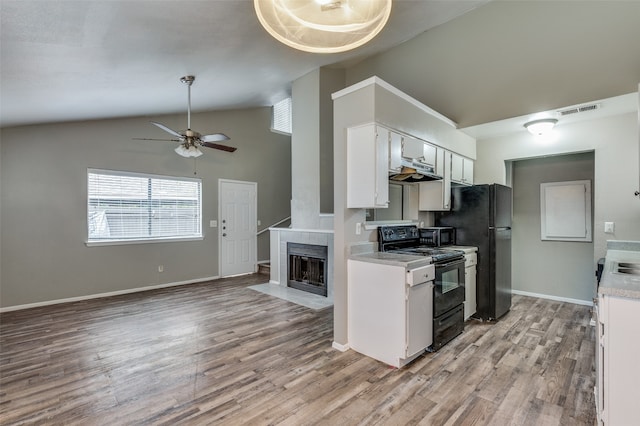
pixel 323 26
pixel 191 151
pixel 190 140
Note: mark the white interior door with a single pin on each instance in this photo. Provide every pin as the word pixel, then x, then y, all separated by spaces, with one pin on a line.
pixel 238 227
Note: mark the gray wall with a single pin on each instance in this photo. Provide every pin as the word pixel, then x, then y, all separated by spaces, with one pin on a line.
pixel 331 80
pixel 554 268
pixel 43 201
pixel 614 141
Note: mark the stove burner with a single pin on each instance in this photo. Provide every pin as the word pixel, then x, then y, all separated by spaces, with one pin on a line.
pixel 437 255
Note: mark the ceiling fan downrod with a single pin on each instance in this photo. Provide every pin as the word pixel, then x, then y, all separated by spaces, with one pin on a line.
pixel 188 80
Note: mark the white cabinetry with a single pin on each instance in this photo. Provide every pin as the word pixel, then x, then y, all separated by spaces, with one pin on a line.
pixel 412 148
pixel 461 170
pixel 618 373
pixel 390 310
pixel 434 195
pixel 367 167
pixel 470 303
pixel 395 150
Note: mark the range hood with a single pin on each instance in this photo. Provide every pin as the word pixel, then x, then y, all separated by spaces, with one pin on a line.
pixel 414 171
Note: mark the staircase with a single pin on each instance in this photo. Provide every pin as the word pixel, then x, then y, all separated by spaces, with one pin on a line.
pixel 264 269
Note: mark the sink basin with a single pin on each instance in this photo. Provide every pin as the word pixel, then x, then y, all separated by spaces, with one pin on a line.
pixel 627 268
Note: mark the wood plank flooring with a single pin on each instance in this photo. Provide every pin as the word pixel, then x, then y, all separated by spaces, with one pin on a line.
pixel 220 353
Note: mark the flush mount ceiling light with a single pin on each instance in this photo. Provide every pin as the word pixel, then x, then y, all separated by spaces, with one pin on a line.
pixel 323 26
pixel 540 127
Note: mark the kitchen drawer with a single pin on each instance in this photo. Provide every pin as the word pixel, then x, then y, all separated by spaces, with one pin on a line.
pixel 470 259
pixel 421 275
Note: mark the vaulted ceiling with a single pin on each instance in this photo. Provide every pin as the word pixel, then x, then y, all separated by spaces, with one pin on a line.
pixel 75 60
pixel 478 62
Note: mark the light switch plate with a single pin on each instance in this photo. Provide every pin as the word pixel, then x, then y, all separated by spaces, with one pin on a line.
pixel 609 227
pixel 213 223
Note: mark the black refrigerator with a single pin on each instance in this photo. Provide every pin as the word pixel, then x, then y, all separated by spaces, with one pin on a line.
pixel 481 215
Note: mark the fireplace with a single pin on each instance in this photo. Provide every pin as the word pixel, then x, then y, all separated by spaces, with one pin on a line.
pixel 307 268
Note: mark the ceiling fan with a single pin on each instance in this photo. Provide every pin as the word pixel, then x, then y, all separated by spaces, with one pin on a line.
pixel 190 140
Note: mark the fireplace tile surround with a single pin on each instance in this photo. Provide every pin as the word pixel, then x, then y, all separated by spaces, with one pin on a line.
pixel 279 259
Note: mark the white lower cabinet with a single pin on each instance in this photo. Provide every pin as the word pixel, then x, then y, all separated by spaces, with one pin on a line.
pixel 618 369
pixel 390 311
pixel 470 303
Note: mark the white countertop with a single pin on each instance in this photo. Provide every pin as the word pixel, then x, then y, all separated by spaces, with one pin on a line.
pixel 617 284
pixel 395 259
pixel 465 249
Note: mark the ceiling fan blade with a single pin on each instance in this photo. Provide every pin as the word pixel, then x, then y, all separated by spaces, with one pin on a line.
pixel 220 147
pixel 154 139
pixel 216 137
pixel 166 129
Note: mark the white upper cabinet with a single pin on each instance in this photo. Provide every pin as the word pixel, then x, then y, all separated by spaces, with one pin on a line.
pixel 461 170
pixel 367 167
pixel 412 148
pixel 430 155
pixel 395 150
pixel 440 161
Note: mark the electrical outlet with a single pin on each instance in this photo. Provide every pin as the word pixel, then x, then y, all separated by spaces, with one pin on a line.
pixel 160 268
pixel 358 228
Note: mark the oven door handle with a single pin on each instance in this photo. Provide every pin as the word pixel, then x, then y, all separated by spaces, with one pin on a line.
pixel 453 262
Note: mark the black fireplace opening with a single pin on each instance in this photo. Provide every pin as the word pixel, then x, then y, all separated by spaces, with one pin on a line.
pixel 307 268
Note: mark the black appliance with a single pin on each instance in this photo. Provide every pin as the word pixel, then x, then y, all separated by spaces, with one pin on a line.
pixel 438 236
pixel 448 291
pixel 481 215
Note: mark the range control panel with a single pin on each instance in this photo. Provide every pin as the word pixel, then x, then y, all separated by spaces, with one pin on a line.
pixel 398 233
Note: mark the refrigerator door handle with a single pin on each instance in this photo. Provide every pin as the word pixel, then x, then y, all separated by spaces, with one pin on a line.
pixel 501 228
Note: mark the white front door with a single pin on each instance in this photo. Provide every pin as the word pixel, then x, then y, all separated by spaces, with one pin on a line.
pixel 238 226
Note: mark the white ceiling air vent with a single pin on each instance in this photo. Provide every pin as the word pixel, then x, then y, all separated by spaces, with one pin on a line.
pixel 577 109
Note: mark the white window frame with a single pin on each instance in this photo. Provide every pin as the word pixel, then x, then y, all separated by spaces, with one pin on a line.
pixel 282 117
pixel 195 236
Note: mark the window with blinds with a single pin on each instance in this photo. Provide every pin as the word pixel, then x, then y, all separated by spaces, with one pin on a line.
pixel 130 207
pixel 281 117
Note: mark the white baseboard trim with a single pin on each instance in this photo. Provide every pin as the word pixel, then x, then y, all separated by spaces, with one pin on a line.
pixel 274 282
pixel 340 347
pixel 108 294
pixel 556 298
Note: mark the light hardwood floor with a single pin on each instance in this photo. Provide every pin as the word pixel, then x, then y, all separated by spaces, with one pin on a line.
pixel 220 353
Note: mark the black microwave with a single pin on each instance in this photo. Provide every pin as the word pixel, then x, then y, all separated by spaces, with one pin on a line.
pixel 438 236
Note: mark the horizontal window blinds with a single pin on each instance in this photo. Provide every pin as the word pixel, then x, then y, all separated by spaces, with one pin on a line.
pixel 281 116
pixel 125 206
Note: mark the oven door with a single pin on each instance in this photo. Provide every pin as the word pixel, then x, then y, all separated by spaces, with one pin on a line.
pixel 448 286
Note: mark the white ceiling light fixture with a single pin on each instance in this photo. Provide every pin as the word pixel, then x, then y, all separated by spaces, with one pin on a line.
pixel 541 127
pixel 323 26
